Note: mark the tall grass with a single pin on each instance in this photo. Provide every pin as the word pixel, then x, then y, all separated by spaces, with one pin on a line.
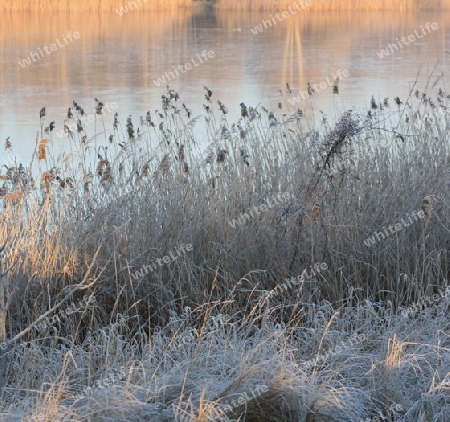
pixel 94 217
pixel 112 5
pixel 333 5
pixel 92 5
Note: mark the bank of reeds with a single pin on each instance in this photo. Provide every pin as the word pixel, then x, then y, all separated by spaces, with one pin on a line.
pixel 334 5
pixel 93 5
pixel 181 339
pixel 142 5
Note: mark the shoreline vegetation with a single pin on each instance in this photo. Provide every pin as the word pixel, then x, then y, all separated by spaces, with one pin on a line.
pixel 235 313
pixel 268 5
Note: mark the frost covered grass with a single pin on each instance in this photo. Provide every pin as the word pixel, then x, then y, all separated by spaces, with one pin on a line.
pixel 202 337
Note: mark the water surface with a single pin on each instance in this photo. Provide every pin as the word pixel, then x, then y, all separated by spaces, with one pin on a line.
pixel 117 59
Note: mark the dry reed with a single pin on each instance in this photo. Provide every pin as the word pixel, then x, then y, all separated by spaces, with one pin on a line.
pixel 42 149
pixel 372 5
pixel 93 235
pixel 93 5
pixel 141 5
pixel 427 205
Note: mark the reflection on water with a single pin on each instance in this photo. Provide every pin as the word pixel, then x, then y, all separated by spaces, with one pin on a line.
pixel 117 59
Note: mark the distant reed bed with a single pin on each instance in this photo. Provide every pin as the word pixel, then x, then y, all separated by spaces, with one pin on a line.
pixel 93 5
pixel 334 5
pixel 141 5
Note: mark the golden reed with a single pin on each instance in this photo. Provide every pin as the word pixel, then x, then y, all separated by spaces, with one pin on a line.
pixel 281 5
pixel 92 5
pixel 112 5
